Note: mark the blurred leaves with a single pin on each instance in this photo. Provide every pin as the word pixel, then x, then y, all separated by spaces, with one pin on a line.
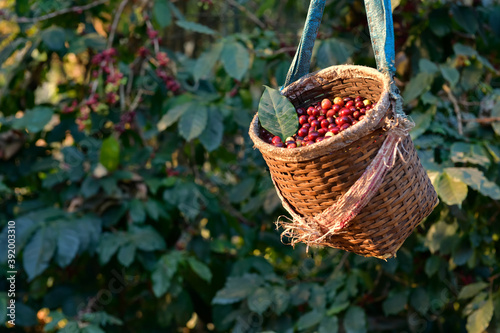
pixel 34 120
pixel 157 200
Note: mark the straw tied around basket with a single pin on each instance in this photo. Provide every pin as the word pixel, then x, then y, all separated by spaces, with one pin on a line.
pixel 363 190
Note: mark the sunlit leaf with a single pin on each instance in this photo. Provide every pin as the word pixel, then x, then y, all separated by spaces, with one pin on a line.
pixel 451 190
pixel 480 319
pixel 475 179
pixel 472 290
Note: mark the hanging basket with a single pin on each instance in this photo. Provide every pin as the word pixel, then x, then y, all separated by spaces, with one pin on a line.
pixel 311 179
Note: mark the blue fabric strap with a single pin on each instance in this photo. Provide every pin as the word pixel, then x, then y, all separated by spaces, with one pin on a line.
pixel 379 14
pixel 302 60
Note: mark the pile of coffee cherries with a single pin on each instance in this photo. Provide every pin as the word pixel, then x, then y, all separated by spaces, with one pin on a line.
pixel 322 121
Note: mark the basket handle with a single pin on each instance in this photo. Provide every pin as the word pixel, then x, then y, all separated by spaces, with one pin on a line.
pixel 302 59
pixel 379 14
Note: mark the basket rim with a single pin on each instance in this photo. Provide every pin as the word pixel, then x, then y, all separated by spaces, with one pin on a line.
pixel 372 121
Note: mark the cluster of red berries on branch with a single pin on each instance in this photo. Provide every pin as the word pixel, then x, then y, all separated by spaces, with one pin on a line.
pixel 106 74
pixel 126 120
pixel 322 121
pixel 162 61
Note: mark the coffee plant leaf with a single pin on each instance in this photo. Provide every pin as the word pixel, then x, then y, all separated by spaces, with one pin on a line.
pixel 161 13
pixel 206 62
pixel 480 319
pixel 192 123
pixel 472 290
pixel 38 252
pixel 475 178
pixel 451 190
pixel 277 114
pixel 235 59
pixel 196 27
pixel 355 320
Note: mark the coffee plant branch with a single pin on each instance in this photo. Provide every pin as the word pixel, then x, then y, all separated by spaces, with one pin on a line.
pixel 249 14
pixel 483 120
pixel 60 12
pixel 114 25
pixel 454 101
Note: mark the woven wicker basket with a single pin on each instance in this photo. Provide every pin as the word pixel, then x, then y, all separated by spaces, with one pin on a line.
pixel 311 178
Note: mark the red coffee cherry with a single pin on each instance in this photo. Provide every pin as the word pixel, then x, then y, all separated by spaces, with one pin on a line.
pixel 326 104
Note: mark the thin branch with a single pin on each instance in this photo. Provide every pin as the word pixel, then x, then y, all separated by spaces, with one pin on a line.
pixel 116 19
pixel 454 101
pixel 483 120
pixel 137 100
pixel 249 14
pixel 285 49
pixel 60 12
pixel 156 44
pixel 340 264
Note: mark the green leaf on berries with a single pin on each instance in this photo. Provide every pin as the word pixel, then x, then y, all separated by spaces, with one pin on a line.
pixel 235 59
pixel 193 123
pixel 277 114
pixel 196 27
pixel 110 153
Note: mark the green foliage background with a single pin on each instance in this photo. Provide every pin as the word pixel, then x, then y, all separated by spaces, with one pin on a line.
pixel 163 221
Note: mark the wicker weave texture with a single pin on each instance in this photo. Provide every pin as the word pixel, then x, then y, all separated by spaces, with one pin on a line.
pixel 310 186
pixel 406 197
